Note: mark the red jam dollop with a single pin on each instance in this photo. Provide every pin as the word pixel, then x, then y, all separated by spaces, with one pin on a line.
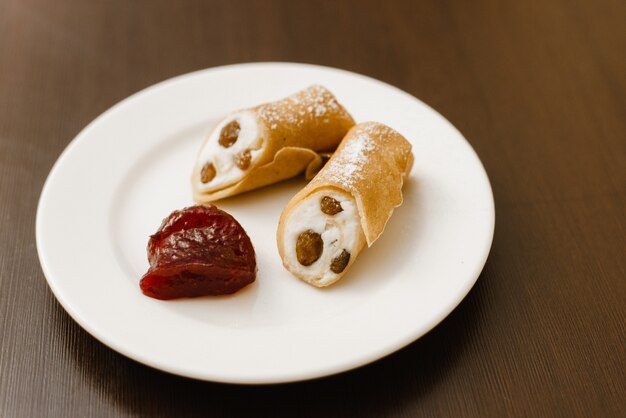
pixel 198 251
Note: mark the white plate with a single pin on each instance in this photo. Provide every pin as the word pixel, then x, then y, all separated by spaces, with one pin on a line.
pixel 130 168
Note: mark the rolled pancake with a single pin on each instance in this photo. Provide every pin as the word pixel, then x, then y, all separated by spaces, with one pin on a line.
pixel 346 205
pixel 255 147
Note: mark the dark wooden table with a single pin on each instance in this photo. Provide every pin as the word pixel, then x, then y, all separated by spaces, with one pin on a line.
pixel 537 87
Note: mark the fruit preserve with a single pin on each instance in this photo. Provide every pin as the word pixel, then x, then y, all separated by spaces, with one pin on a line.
pixel 197 251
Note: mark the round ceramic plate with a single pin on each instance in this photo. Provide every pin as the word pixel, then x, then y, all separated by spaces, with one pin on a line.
pixel 131 167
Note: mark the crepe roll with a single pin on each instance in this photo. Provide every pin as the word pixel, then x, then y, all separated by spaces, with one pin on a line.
pixel 255 147
pixel 346 206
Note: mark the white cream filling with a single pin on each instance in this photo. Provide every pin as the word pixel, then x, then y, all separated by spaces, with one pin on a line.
pixel 340 231
pixel 222 158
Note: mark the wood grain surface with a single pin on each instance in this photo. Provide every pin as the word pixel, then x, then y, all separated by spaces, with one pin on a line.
pixel 537 87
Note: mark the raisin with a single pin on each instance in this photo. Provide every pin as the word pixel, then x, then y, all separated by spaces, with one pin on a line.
pixel 208 173
pixel 242 160
pixel 330 206
pixel 229 134
pixel 197 251
pixel 340 262
pixel 309 247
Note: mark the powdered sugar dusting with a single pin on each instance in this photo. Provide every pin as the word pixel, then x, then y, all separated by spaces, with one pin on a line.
pixel 347 166
pixel 295 110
